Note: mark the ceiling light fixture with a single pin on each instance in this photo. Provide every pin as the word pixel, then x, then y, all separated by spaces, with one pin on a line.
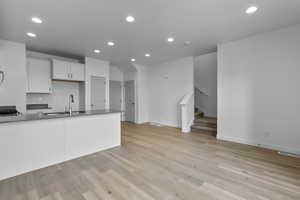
pixel 251 10
pixel 97 51
pixel 111 43
pixel 31 34
pixel 132 60
pixel 147 55
pixel 36 20
pixel 170 39
pixel 130 19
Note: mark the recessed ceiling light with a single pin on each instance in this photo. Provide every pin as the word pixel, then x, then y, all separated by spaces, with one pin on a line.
pixel 97 51
pixel 130 19
pixel 147 55
pixel 132 60
pixel 251 10
pixel 36 20
pixel 170 39
pixel 31 34
pixel 111 43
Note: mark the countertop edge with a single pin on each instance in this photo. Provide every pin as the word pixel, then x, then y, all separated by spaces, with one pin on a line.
pixel 38 117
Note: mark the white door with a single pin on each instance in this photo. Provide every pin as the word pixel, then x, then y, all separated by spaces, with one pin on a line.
pixel 98 93
pixel 115 95
pixel 38 75
pixel 129 101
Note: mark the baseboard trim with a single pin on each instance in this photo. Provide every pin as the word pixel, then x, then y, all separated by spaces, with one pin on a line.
pixel 165 124
pixel 274 147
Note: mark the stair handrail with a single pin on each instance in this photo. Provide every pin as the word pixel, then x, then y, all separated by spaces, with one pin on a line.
pixel 187 112
pixel 201 91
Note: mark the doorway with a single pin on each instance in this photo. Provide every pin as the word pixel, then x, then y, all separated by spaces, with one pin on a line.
pixel 115 95
pixel 130 101
pixel 98 92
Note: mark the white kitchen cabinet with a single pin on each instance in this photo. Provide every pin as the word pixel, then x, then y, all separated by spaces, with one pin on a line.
pixel 38 75
pixel 68 71
pixel 77 72
pixel 60 70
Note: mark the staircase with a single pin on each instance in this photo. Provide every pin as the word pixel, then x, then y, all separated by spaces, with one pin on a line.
pixel 205 125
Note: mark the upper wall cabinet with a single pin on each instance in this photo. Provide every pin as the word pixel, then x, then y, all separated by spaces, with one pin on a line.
pixel 68 71
pixel 38 76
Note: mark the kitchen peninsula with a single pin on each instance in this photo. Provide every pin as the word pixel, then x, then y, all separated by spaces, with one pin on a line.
pixel 32 141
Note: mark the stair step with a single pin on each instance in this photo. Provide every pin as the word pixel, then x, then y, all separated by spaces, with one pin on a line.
pixel 204 128
pixel 199 114
pixel 206 120
pixel 204 124
pixel 205 132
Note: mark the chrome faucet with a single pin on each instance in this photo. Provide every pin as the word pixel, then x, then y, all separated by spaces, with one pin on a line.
pixel 71 100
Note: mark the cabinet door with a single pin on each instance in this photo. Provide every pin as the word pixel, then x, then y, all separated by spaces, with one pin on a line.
pixel 38 76
pixel 60 70
pixel 77 72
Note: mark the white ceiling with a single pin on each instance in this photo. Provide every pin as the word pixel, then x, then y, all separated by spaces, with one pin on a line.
pixel 77 27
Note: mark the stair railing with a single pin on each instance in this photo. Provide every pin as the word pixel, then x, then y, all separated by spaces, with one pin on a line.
pixel 187 112
pixel 201 91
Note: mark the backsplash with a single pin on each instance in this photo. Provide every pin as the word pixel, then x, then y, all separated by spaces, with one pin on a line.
pixel 59 99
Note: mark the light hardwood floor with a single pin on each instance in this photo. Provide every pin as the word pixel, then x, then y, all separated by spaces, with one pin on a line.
pixel 162 163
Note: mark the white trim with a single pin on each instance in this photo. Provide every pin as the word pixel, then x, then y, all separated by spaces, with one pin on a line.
pixel 165 124
pixel 187 129
pixel 274 147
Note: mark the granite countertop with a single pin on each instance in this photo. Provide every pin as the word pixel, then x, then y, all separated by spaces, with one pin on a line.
pixel 54 115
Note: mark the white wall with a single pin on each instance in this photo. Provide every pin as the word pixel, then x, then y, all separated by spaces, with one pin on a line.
pixel 168 83
pixel 205 79
pixel 142 93
pixel 258 90
pixel 13 63
pixel 130 75
pixel 115 74
pixel 95 67
pixel 35 54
